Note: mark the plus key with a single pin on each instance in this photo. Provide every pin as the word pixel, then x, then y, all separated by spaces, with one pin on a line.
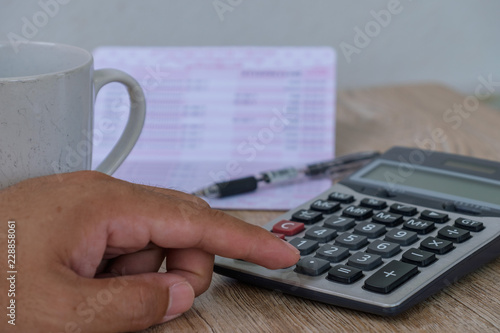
pixel 390 277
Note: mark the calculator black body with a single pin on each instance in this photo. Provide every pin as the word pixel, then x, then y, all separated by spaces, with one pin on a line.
pixel 433 183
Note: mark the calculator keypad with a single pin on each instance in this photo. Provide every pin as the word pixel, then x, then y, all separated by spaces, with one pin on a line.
pixel 344 241
pixel 372 253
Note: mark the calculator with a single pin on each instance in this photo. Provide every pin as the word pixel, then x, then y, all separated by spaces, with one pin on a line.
pixel 394 232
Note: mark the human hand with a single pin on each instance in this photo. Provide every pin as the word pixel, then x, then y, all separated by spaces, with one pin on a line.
pixel 88 249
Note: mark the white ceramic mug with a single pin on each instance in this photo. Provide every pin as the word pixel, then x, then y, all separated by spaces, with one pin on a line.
pixel 47 94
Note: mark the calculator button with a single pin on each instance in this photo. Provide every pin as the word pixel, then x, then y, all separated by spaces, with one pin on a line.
pixel 403 209
pixel 436 245
pixel 373 203
pixel 357 213
pixel 339 223
pixel 325 206
pixel 332 253
pixel 341 197
pixel 305 246
pixel 312 266
pixel 469 224
pixel 351 241
pixel 418 257
pixel 388 219
pixel 383 248
pixel 390 276
pixel 364 261
pixel 419 226
pixel 369 229
pixel 280 236
pixel 454 234
pixel 344 274
pixel 402 237
pixel 320 234
pixel 307 216
pixel 433 216
pixel 288 228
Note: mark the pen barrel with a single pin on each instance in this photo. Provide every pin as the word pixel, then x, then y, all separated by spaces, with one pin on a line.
pixel 237 186
pixel 280 176
pixel 319 168
pixel 342 161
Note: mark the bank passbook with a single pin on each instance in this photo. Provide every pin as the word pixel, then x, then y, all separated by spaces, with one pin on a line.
pixel 390 235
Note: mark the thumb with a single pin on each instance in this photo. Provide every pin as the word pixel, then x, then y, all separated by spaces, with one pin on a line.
pixel 133 302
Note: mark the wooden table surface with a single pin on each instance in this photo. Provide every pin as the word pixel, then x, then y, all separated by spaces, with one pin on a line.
pixel 374 118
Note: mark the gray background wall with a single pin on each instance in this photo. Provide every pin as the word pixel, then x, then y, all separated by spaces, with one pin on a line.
pixel 449 41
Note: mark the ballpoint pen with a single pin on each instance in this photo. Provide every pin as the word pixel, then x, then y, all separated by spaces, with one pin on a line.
pixel 339 165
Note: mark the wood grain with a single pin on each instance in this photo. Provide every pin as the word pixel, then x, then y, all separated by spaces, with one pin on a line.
pixel 375 118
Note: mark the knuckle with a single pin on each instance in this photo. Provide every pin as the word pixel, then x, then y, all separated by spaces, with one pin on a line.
pixel 191 208
pixel 217 214
pixel 200 202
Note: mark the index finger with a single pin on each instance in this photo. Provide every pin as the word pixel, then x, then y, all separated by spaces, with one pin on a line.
pixel 174 220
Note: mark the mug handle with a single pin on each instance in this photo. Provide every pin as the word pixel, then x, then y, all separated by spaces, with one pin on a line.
pixel 135 121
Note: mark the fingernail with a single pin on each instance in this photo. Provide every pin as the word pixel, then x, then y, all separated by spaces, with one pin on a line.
pixel 181 298
pixel 293 248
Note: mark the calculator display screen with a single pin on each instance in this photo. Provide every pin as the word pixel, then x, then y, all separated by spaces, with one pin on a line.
pixel 469 166
pixel 432 181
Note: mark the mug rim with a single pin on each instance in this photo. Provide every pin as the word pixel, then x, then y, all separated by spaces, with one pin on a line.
pixel 68 70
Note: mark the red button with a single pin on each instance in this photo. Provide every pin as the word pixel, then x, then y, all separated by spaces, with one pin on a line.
pixel 280 236
pixel 288 228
